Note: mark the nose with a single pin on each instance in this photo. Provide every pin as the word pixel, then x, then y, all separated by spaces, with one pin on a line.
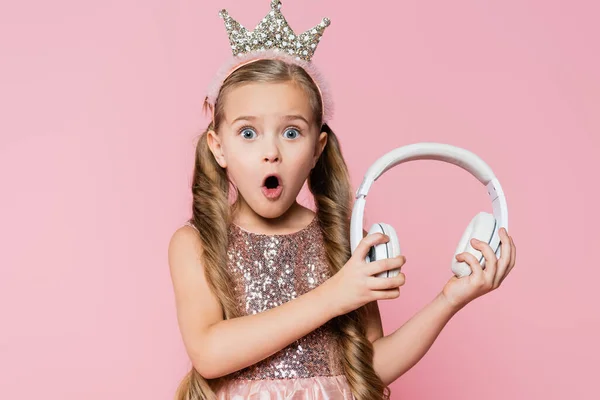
pixel 271 153
pixel 272 157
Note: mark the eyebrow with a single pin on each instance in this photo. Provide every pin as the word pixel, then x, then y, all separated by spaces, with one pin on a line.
pixel 286 118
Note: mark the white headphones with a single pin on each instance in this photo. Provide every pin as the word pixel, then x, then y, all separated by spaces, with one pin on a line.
pixel 483 226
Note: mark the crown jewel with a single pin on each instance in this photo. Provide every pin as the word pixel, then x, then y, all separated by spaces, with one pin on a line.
pixel 273 32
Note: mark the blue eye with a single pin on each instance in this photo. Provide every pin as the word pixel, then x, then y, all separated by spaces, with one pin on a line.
pixel 245 131
pixel 293 130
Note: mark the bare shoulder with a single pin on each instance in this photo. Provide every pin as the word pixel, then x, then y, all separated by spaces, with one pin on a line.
pixel 185 240
pixel 185 258
pixel 197 306
pixel 184 251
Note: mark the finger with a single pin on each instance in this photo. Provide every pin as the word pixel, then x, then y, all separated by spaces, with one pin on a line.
pixel 386 294
pixel 364 246
pixel 386 264
pixel 513 256
pixel 378 283
pixel 490 260
pixel 476 270
pixel 504 260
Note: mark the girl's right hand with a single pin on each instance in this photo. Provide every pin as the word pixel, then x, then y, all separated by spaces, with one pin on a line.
pixel 354 284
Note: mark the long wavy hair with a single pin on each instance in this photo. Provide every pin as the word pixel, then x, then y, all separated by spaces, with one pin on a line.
pixel 329 182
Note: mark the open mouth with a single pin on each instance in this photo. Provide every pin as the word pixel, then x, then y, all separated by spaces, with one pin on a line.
pixel 272 187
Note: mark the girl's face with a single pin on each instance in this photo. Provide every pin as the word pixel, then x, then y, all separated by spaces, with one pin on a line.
pixel 267 130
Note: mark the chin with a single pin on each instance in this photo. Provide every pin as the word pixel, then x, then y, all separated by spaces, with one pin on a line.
pixel 271 209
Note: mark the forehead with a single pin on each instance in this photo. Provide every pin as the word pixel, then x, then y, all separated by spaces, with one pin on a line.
pixel 265 100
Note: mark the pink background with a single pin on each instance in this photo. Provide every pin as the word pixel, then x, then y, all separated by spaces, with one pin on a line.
pixel 100 111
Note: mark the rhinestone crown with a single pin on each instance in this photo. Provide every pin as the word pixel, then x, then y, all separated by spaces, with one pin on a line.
pixel 273 32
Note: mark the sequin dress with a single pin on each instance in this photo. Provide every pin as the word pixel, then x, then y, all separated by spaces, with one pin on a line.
pixel 269 270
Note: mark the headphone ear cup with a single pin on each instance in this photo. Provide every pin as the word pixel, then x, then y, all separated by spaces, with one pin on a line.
pixel 482 227
pixel 382 251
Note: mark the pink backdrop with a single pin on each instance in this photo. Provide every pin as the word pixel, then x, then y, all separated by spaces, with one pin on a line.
pixel 100 111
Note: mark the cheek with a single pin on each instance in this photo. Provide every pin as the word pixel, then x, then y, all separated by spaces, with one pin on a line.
pixel 301 154
pixel 231 154
pixel 300 166
pixel 234 165
pixel 239 166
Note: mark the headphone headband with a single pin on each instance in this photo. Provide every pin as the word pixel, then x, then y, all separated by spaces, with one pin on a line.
pixel 428 151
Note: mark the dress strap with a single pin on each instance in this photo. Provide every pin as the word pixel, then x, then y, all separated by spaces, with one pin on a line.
pixel 188 223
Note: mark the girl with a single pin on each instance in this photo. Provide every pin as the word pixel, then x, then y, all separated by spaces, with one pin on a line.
pixel 270 302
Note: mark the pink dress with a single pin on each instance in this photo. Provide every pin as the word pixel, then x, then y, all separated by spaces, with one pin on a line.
pixel 269 270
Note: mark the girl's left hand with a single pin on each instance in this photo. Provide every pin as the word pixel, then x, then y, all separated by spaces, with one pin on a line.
pixel 460 291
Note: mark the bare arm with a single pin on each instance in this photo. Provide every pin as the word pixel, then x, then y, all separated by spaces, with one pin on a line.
pixel 218 347
pixel 400 351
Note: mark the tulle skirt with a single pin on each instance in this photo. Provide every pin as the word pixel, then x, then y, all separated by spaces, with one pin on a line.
pixel 314 388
